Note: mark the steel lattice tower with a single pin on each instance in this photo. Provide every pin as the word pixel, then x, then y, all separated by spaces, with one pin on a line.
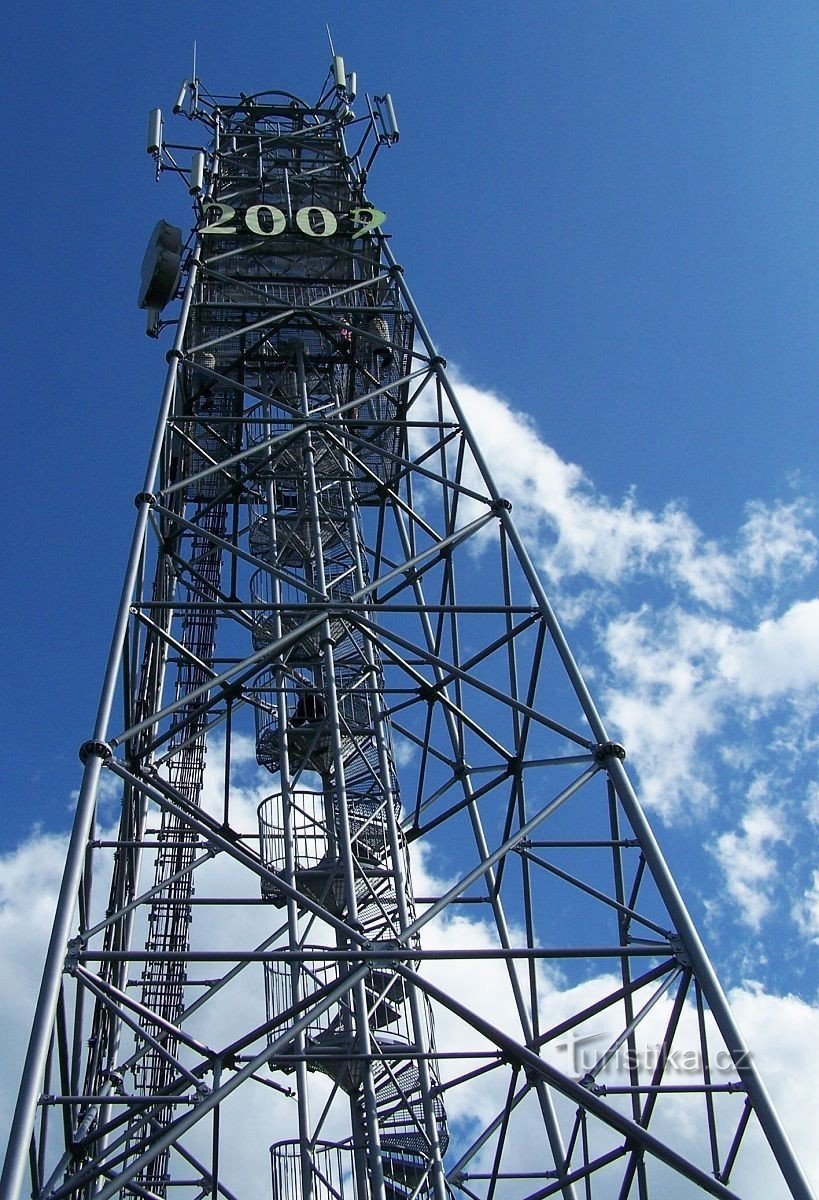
pixel 323 564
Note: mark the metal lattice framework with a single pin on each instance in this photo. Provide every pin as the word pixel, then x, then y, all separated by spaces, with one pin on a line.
pixel 323 568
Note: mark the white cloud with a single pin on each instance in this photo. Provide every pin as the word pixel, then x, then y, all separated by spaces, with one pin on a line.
pixel 784 1031
pixel 663 700
pixel 749 866
pixel 678 678
pixel 776 543
pixel 812 802
pixel 806 910
pixel 581 537
pixel 29 880
pixel 576 533
pixel 780 655
pixel 719 656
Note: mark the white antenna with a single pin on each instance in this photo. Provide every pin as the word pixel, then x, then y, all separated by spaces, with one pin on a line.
pixel 197 177
pixel 193 71
pixel 330 40
pixel 386 114
pixel 154 131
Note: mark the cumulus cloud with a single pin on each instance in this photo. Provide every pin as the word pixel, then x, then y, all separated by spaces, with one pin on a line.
pixel 29 881
pixel 806 910
pixel 812 802
pixel 663 698
pixel 719 653
pixel 783 1030
pixel 748 862
pixel 777 543
pixel 679 677
pixel 581 535
pixel 781 655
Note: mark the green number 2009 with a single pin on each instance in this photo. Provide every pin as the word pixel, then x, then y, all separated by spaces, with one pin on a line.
pixel 266 220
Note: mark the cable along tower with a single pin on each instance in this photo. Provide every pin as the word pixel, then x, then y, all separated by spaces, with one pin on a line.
pixel 323 569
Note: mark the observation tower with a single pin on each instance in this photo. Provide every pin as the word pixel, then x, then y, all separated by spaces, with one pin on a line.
pixel 379 874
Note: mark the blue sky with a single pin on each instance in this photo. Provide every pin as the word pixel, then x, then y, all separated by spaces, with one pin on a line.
pixel 608 216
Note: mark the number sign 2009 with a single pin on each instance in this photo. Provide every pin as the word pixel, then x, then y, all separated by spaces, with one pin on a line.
pixel 266 220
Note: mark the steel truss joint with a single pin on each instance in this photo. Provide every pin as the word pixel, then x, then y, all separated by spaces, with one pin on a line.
pixel 501 505
pixel 591 1085
pixel 145 498
pixel 94 748
pixel 606 750
pixel 679 950
pixel 73 955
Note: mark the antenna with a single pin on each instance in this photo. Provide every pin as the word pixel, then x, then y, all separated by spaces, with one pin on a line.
pixel 197 176
pixel 330 40
pixel 386 114
pixel 154 142
pixel 391 125
pixel 193 68
pixel 180 99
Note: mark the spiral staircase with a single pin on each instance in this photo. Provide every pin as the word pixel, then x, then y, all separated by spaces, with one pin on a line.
pixel 322 730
